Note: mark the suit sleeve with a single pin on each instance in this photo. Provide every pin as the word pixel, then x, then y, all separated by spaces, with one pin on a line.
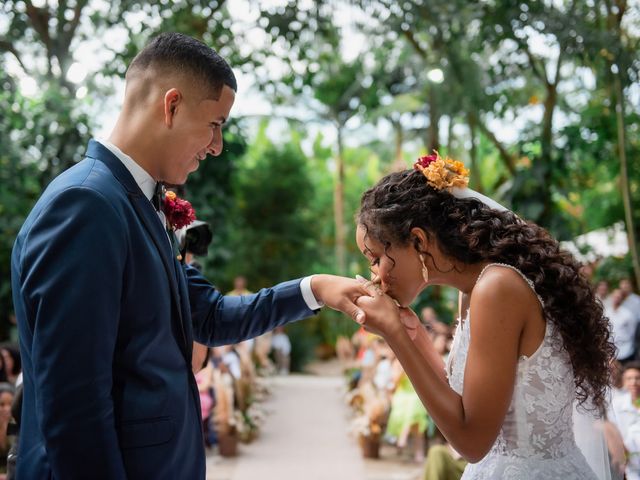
pixel 221 320
pixel 71 280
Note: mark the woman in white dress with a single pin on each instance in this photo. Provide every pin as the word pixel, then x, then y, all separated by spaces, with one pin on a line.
pixel 531 335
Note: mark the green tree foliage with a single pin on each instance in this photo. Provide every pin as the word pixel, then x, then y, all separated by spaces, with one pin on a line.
pixel 271 215
pixel 39 137
pixel 318 74
pixel 279 210
pixel 20 182
pixel 206 20
pixel 47 132
pixel 210 191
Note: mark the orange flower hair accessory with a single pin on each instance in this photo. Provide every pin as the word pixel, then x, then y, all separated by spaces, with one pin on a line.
pixel 442 173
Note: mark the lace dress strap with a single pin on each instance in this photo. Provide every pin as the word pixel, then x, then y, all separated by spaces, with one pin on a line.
pixel 524 277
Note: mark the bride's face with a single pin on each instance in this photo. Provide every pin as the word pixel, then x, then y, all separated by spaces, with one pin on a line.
pixel 398 268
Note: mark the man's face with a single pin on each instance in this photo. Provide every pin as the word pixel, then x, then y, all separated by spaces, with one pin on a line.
pixel 196 131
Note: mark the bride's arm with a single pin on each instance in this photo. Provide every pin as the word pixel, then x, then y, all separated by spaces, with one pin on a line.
pixel 423 339
pixel 423 342
pixel 470 422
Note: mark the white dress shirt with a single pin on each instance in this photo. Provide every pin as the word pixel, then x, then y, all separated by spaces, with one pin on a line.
pixel 280 341
pixel 623 326
pixel 148 185
pixel 632 302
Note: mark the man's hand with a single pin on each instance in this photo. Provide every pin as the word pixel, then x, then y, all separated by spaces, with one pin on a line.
pixel 339 293
pixel 198 357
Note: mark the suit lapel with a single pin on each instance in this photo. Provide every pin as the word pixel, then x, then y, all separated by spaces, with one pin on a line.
pixel 149 217
pixel 151 221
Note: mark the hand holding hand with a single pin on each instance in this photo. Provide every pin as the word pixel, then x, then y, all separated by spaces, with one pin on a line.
pixel 339 293
pixel 383 313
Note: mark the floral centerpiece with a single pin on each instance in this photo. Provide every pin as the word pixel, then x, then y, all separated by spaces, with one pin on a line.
pixel 224 418
pixel 368 422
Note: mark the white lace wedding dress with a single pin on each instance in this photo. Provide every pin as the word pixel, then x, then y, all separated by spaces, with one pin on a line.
pixel 536 440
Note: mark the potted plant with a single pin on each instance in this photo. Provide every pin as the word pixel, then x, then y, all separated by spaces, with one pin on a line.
pixel 224 416
pixel 369 433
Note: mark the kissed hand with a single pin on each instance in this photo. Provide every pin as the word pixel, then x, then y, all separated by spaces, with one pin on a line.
pixel 383 316
pixel 340 293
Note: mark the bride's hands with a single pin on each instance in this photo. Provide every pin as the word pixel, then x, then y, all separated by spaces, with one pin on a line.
pixel 383 316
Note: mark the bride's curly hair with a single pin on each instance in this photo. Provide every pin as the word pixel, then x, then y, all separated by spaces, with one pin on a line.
pixel 470 232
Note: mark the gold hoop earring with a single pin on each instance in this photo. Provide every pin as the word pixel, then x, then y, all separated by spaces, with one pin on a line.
pixel 425 270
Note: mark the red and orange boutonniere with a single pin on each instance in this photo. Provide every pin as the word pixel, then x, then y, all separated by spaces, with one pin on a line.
pixel 179 212
pixel 442 173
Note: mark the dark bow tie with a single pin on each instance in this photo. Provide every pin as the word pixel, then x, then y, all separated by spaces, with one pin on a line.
pixel 158 195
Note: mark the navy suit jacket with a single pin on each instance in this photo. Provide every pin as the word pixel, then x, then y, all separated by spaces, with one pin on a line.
pixel 106 319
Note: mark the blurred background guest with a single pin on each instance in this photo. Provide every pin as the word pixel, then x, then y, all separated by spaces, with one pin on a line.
pixel 624 324
pixel 281 346
pixel 7 392
pixel 624 413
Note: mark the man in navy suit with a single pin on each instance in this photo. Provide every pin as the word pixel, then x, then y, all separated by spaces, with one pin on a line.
pixel 106 314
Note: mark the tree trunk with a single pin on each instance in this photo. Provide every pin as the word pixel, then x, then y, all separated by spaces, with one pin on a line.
pixel 475 181
pixel 399 142
pixel 546 141
pixel 624 177
pixel 338 208
pixel 433 140
pixel 505 156
pixel 547 121
pixel 613 23
pixel 450 142
pixel 397 164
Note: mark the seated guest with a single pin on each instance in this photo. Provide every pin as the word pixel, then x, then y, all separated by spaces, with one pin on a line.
pixel 408 417
pixel 281 346
pixel 239 286
pixel 602 290
pixel 624 323
pixel 625 414
pixel 7 392
pixel 11 360
pixel 443 463
pixel 631 300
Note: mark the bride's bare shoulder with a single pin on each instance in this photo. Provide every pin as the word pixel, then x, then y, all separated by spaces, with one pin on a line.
pixel 503 291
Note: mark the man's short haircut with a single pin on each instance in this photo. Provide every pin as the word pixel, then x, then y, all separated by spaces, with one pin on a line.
pixel 175 52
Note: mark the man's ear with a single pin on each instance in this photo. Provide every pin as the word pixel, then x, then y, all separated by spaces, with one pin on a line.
pixel 172 99
pixel 420 240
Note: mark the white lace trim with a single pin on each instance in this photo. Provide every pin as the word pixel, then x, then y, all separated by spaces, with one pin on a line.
pixel 572 466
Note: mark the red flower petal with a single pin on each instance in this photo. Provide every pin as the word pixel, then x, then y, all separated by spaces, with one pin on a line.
pixel 424 162
pixel 179 212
